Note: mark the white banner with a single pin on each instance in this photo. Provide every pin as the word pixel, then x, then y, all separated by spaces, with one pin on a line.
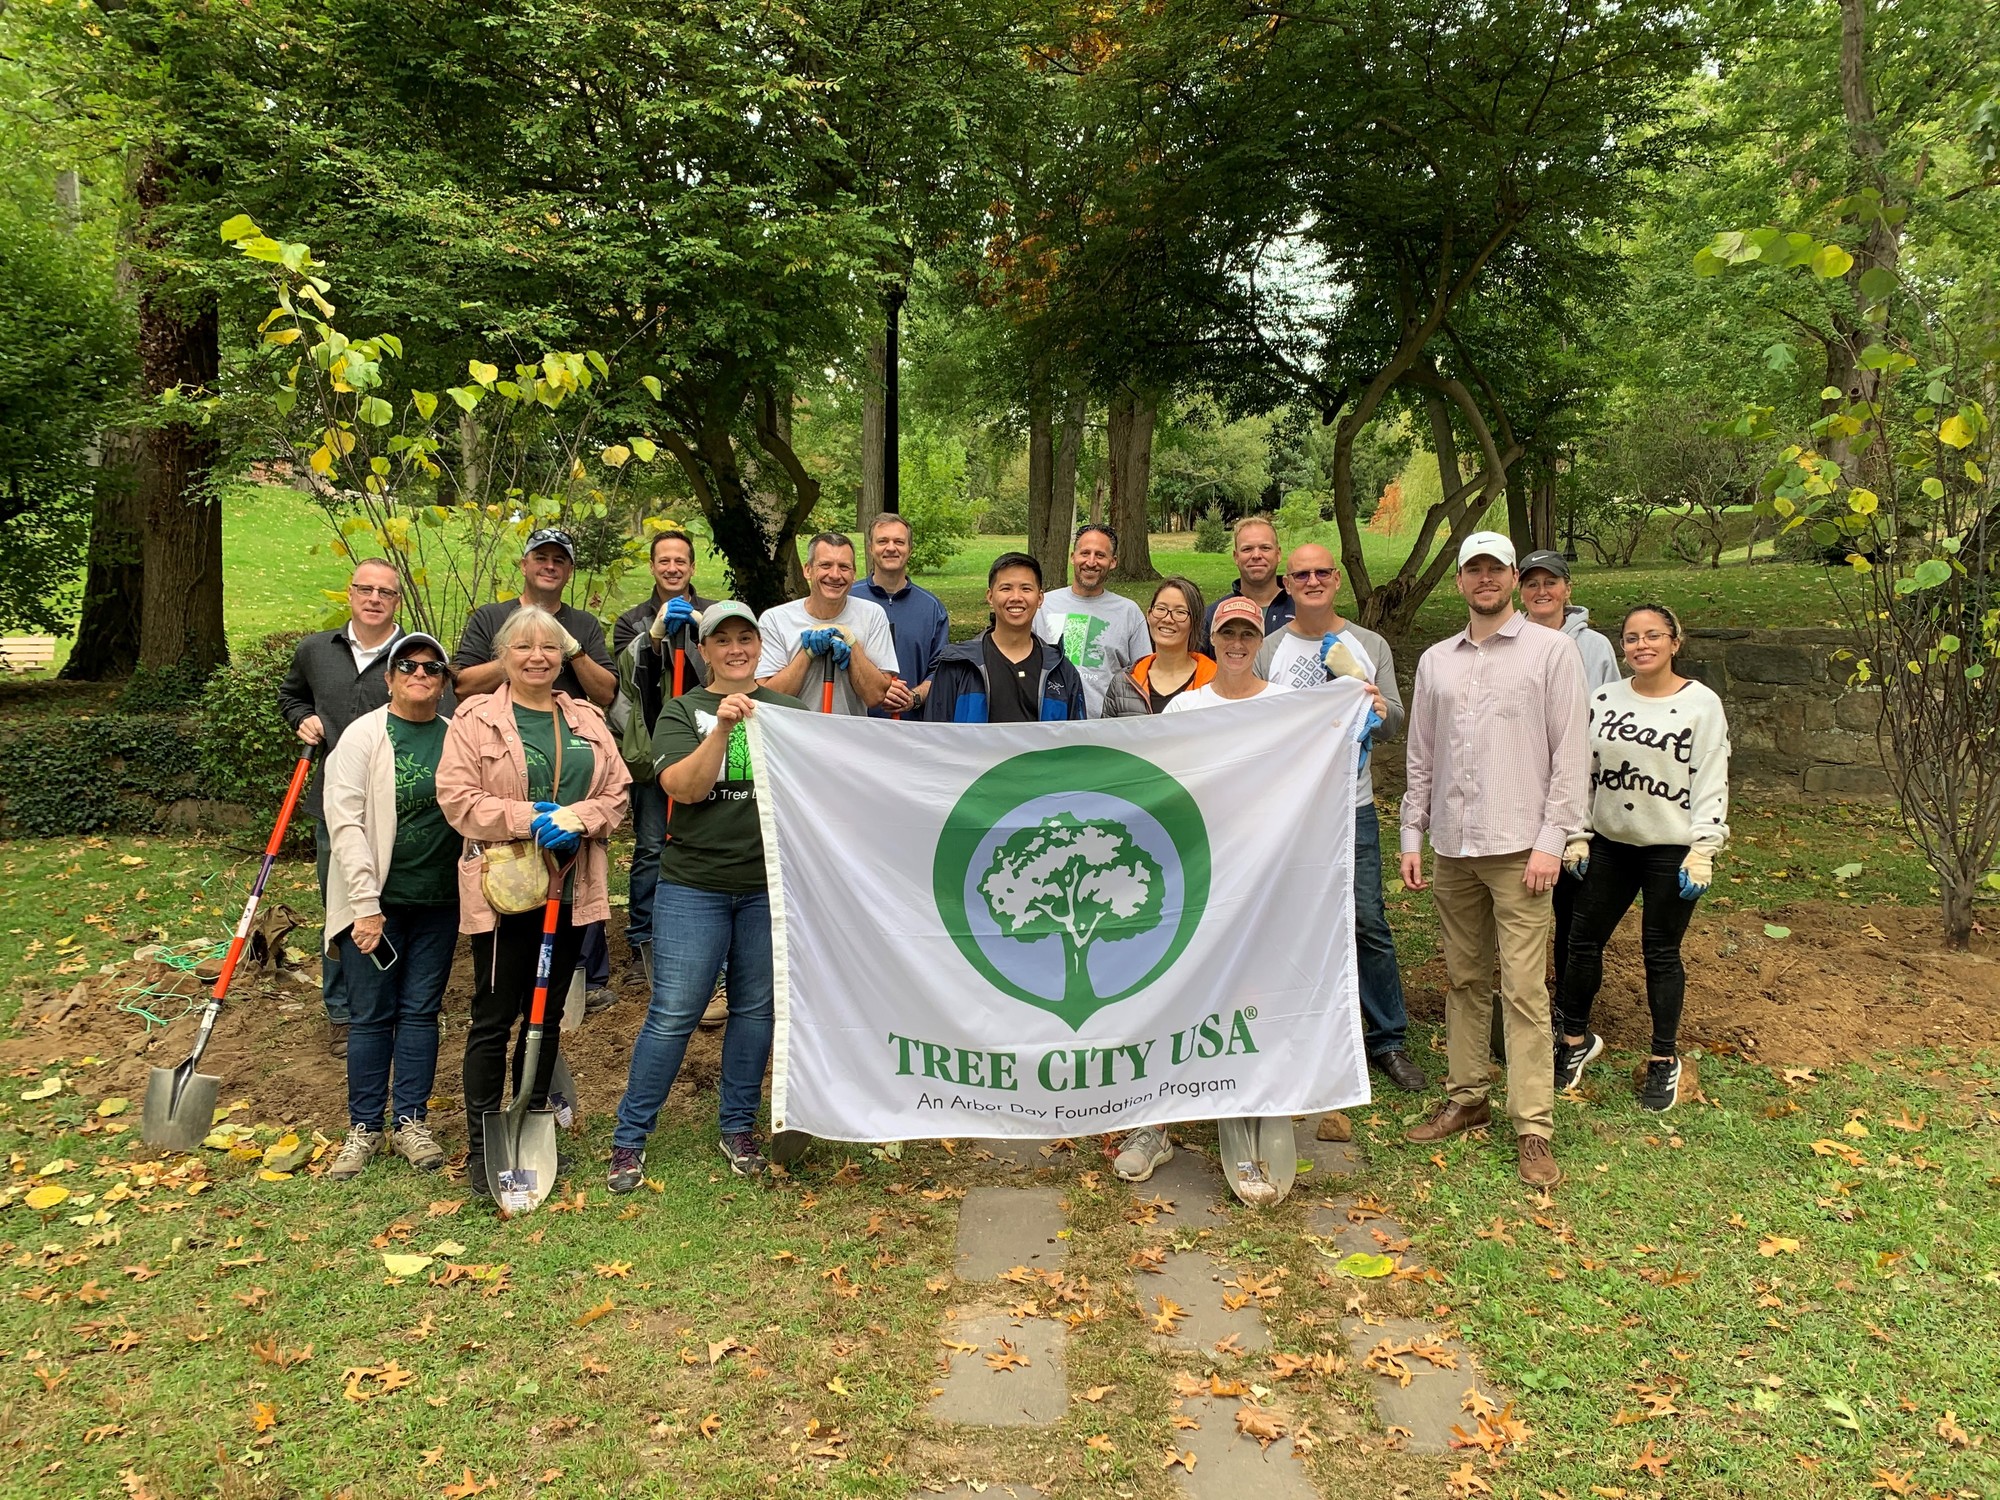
pixel 1047 930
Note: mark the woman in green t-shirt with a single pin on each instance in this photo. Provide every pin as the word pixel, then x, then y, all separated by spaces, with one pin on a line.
pixel 710 904
pixel 392 907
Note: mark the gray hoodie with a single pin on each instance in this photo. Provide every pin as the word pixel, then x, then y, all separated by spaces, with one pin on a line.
pixel 1600 663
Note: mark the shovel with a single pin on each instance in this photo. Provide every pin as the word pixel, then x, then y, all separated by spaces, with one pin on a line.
pixel 521 1142
pixel 180 1103
pixel 826 691
pixel 1260 1157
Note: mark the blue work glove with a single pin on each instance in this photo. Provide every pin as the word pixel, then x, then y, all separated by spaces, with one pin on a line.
pixel 1367 737
pixel 545 807
pixel 1696 872
pixel 819 641
pixel 675 614
pixel 552 836
pixel 840 651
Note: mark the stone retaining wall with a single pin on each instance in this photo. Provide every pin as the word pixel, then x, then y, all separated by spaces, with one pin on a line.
pixel 1794 723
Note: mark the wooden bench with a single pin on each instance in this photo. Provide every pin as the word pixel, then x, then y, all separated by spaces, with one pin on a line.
pixel 27 653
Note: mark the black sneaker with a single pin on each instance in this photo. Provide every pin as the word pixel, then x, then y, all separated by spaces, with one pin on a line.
pixel 1571 1059
pixel 600 997
pixel 475 1177
pixel 1660 1090
pixel 628 1168
pixel 746 1157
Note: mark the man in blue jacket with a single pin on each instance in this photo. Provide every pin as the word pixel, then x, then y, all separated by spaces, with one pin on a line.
pixel 1006 674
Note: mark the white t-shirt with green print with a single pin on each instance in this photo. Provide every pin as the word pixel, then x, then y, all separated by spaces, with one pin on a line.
pixel 1101 634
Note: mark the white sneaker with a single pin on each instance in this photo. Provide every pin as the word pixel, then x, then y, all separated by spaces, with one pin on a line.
pixel 412 1140
pixel 1144 1149
pixel 355 1152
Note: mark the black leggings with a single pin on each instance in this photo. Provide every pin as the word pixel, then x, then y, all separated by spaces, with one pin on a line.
pixel 1617 873
pixel 499 999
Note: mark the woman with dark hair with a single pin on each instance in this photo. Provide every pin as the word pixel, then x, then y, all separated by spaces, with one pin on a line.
pixel 1657 817
pixel 1174 622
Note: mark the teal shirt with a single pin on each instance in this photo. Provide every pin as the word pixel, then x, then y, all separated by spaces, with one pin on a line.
pixel 423 862
pixel 538 748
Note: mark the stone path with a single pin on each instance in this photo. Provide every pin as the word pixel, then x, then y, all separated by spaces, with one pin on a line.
pixel 1007 1368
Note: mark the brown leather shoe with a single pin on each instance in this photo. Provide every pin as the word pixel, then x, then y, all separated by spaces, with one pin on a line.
pixel 1538 1162
pixel 1450 1119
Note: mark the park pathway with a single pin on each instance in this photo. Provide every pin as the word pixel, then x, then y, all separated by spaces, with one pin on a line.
pixel 1007 1367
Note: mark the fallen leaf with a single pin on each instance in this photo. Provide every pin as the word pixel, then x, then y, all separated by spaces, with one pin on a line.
pixel 1462 1483
pixel 109 1107
pixel 1361 1263
pixel 1008 1358
pixel 1777 1244
pixel 405 1265
pixel 1101 1442
pixel 467 1486
pixel 1099 1392
pixel 1169 1315
pixel 1256 1422
pixel 1953 1434
pixel 263 1416
pixel 1185 1460
pixel 709 1425
pixel 47 1196
pixel 47 1088
pixel 622 1269
pixel 583 1320
pixel 1650 1462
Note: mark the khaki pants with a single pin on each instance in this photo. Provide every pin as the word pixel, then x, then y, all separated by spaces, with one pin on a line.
pixel 1487 913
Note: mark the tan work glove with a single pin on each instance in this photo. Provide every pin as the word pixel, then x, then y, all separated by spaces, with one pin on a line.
pixel 1338 660
pixel 1576 856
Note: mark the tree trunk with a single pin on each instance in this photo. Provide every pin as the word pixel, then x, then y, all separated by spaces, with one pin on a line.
pixel 180 621
pixel 1521 479
pixel 107 632
pixel 1129 455
pixel 874 415
pixel 1062 485
pixel 1041 471
pixel 1545 507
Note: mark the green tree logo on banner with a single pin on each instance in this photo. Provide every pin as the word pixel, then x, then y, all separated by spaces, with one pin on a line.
pixel 1072 878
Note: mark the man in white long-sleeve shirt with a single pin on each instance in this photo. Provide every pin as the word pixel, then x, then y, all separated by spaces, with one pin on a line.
pixel 1496 778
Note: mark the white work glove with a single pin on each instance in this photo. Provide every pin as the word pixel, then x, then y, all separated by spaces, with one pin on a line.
pixel 570 645
pixel 1337 659
pixel 1697 873
pixel 1576 856
pixel 567 818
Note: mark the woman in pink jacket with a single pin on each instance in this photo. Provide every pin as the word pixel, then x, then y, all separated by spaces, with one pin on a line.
pixel 497 782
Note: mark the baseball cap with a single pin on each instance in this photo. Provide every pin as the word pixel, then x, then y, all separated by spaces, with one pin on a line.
pixel 1547 561
pixel 726 609
pixel 549 536
pixel 1236 607
pixel 1486 544
pixel 405 644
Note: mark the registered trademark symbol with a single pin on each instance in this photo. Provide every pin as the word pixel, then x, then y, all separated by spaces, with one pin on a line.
pixel 1249 1012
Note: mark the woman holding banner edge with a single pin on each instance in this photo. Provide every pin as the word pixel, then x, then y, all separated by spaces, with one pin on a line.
pixel 711 904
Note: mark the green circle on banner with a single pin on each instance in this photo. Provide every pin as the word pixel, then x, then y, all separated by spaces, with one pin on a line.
pixel 1129 859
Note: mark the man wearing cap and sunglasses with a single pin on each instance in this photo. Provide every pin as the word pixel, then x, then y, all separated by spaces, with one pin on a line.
pixel 589 674
pixel 1497 769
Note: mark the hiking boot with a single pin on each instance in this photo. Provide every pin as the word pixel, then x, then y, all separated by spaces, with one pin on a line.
pixel 641 972
pixel 1571 1058
pixel 1450 1119
pixel 1538 1167
pixel 412 1140
pixel 355 1153
pixel 718 1009
pixel 746 1157
pixel 1660 1089
pixel 628 1168
pixel 1396 1066
pixel 475 1178
pixel 603 997
pixel 1142 1151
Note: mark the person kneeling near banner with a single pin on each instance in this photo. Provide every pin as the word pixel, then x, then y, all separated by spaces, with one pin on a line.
pixel 1006 674
pixel 392 907
pixel 710 904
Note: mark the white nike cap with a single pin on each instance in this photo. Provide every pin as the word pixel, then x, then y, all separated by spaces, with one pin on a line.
pixel 1486 544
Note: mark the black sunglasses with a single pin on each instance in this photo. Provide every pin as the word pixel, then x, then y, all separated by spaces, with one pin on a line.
pixel 409 668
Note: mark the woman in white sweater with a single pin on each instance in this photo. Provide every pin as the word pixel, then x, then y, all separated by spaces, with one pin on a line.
pixel 1658 815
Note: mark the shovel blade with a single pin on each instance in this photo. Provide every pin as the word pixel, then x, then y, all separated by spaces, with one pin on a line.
pixel 1259 1157
pixel 520 1158
pixel 178 1123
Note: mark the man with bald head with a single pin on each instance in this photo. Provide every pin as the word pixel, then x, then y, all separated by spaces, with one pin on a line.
pixel 1317 646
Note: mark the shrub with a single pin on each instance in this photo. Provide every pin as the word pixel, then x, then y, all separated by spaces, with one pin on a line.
pixel 246 748
pixel 95 772
pixel 1210 534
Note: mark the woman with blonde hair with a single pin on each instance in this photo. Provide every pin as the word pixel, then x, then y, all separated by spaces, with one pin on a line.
pixel 526 764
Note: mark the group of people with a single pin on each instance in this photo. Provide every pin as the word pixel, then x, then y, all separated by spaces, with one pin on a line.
pixel 1553 791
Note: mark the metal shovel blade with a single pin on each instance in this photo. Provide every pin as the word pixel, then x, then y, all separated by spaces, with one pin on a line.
pixel 180 1108
pixel 1259 1157
pixel 521 1142
pixel 786 1147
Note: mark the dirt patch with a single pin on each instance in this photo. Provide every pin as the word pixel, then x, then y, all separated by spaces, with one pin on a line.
pixel 270 1043
pixel 1845 983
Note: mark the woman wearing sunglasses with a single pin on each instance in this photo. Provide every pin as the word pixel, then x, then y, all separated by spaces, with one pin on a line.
pixel 1174 621
pixel 392 906
pixel 1657 817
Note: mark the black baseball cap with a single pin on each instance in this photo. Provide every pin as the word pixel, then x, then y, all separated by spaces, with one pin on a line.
pixel 549 536
pixel 1547 561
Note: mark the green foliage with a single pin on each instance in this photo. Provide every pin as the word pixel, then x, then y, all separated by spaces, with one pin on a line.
pixel 935 497
pixel 1210 532
pixel 96 772
pixel 246 748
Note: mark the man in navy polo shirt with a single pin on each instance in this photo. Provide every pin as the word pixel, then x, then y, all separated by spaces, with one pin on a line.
pixel 917 617
pixel 1257 578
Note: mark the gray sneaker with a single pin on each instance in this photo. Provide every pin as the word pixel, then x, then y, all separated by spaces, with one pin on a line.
pixel 355 1152
pixel 1143 1150
pixel 412 1140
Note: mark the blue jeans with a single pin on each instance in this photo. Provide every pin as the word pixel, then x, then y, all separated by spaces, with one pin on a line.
pixel 649 836
pixel 332 977
pixel 1383 1020
pixel 396 1012
pixel 698 930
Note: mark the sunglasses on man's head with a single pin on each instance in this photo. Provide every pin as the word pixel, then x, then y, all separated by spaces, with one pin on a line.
pixel 409 668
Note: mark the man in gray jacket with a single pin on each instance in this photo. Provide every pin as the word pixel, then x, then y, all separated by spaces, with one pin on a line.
pixel 1317 646
pixel 336 677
